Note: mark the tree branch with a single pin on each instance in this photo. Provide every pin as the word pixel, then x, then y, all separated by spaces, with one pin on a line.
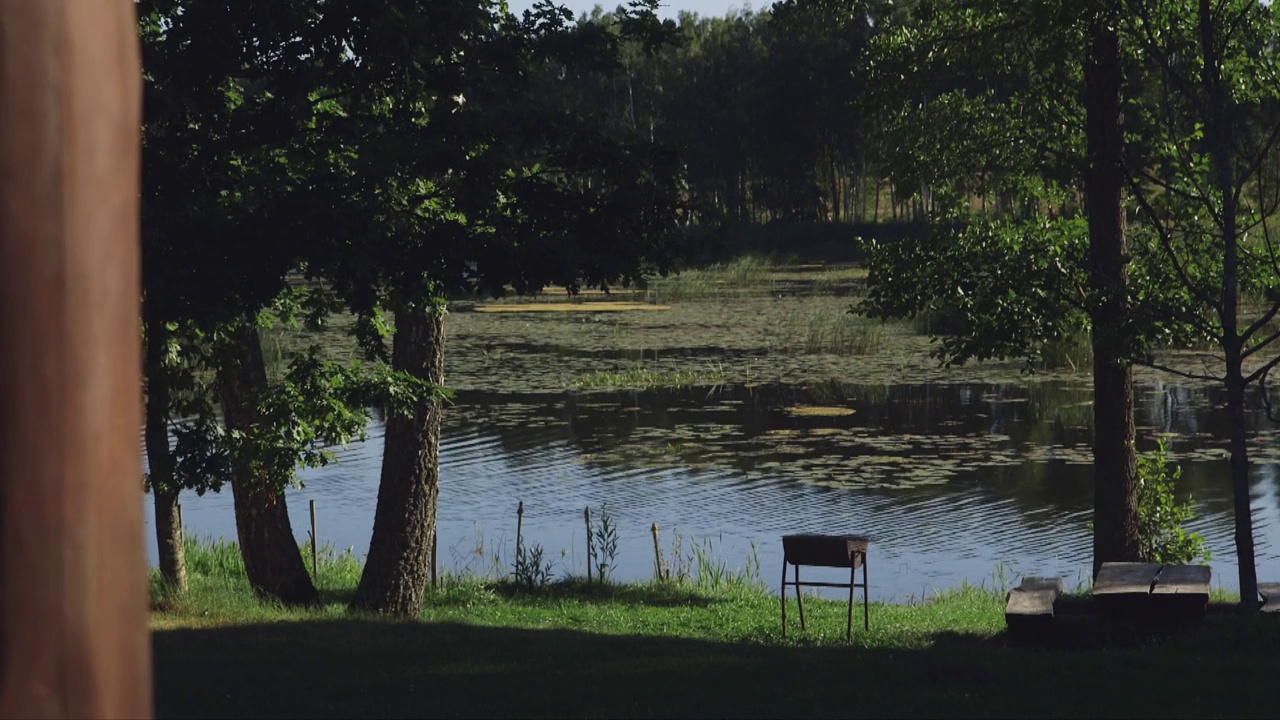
pixel 1265 342
pixel 1260 372
pixel 1166 242
pixel 1180 373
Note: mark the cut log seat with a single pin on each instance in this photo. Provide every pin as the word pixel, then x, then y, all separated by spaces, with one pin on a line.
pixel 1181 592
pixel 1029 607
pixel 1122 590
pixel 1270 593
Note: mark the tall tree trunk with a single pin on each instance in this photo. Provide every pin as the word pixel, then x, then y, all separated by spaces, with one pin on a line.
pixel 1115 506
pixel 164 490
pixel 1218 134
pixel 272 559
pixel 396 572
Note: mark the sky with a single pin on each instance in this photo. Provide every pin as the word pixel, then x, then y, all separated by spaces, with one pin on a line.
pixel 669 8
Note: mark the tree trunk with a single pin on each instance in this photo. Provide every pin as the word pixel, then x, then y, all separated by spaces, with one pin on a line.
pixel 1115 513
pixel 1218 135
pixel 272 559
pixel 164 490
pixel 396 572
pixel 1240 482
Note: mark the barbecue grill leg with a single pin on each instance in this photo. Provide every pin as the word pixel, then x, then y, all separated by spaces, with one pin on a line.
pixel 866 603
pixel 853 579
pixel 783 592
pixel 800 598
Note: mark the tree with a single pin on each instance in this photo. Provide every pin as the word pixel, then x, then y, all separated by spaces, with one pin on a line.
pixel 1023 88
pixel 227 93
pixel 1208 183
pixel 466 166
pixel 1116 534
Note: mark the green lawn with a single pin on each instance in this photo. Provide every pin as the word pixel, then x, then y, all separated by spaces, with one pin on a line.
pixel 674 651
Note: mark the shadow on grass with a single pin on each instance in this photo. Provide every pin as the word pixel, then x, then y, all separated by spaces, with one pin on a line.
pixel 369 668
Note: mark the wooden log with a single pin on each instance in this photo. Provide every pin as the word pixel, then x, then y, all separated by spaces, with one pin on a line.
pixel 1043 583
pixel 74 637
pixel 1125 578
pixel 1270 593
pixel 1029 607
pixel 1183 580
pixel 1122 590
pixel 1181 593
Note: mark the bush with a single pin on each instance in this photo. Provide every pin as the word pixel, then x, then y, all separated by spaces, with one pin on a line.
pixel 1161 516
pixel 1161 536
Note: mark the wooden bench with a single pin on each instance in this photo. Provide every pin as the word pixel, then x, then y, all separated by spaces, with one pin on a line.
pixel 1150 591
pixel 1270 593
pixel 1029 607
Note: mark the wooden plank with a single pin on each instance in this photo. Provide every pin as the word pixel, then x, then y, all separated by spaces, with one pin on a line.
pixel 74 637
pixel 1270 593
pixel 1030 602
pixel 1043 583
pixel 1028 613
pixel 1183 580
pixel 1122 578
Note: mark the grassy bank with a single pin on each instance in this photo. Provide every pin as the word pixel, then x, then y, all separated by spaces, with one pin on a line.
pixel 690 649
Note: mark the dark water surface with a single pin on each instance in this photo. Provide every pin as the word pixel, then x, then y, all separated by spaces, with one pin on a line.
pixel 951 481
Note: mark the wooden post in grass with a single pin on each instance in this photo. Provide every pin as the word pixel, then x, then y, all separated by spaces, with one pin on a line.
pixel 657 553
pixel 519 533
pixel 74 638
pixel 435 546
pixel 315 545
pixel 586 515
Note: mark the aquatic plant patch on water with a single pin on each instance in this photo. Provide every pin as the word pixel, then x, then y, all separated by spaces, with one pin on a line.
pixel 815 411
pixel 571 307
pixel 645 377
pixel 829 330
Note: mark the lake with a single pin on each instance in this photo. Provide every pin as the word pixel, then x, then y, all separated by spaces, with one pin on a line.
pixel 952 480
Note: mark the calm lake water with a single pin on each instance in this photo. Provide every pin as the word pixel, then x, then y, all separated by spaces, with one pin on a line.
pixel 951 481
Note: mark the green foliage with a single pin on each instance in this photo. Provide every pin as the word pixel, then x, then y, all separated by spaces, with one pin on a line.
pixel 531 570
pixel 1161 517
pixel 606 544
pixel 1009 289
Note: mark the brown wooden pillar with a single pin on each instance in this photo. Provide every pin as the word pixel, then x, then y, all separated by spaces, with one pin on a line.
pixel 74 640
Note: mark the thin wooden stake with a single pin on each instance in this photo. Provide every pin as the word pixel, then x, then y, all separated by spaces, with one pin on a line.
pixel 315 542
pixel 435 544
pixel 586 514
pixel 520 532
pixel 657 554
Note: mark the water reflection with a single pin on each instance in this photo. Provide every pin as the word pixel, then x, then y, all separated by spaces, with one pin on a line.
pixel 950 480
